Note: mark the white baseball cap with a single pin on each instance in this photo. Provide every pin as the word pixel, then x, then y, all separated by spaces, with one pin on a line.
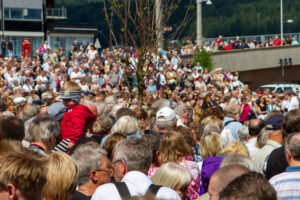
pixel 165 114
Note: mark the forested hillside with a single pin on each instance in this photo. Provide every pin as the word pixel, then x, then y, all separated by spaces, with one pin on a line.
pixel 223 17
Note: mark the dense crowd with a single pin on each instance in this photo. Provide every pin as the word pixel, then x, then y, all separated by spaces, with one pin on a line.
pixel 72 127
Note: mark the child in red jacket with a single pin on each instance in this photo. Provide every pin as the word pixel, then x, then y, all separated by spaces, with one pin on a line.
pixel 76 117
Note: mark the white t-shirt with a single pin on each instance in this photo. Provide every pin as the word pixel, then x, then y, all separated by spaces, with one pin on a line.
pixel 75 75
pixel 137 184
pixel 162 77
pixel 294 102
pixel 84 88
pixel 92 54
pixel 27 88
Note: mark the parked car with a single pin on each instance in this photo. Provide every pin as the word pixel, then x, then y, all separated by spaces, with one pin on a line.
pixel 280 87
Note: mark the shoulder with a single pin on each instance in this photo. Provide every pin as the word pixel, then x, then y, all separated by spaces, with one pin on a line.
pixel 167 194
pixel 275 180
pixel 276 153
pixel 106 191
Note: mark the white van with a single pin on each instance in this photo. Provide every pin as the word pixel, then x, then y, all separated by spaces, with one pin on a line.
pixel 281 87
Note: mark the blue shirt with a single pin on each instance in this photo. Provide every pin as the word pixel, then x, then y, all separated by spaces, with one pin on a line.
pixel 233 127
pixel 293 169
pixel 152 88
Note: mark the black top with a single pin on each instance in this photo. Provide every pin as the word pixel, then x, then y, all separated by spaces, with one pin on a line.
pixel 276 163
pixel 79 196
pixel 263 108
pixel 97 138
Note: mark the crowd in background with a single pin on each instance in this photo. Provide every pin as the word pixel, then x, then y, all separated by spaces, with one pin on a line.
pixel 72 127
pixel 224 44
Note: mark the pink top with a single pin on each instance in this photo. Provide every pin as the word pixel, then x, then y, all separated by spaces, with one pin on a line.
pixel 152 171
pixel 196 182
pixel 193 168
pixel 245 112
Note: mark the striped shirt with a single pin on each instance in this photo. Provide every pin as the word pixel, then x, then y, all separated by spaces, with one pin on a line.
pixel 287 184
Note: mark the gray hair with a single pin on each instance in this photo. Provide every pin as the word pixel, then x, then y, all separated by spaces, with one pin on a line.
pixel 29 111
pixel 135 152
pixel 207 128
pixel 42 127
pixel 182 109
pixel 111 99
pixel 293 145
pixel 263 137
pixel 87 158
pixel 160 103
pixel 165 125
pixel 231 109
pixel 115 109
pixel 108 108
pixel 126 125
pixel 243 133
pixel 100 108
pixel 237 159
pixel 8 113
pixel 26 129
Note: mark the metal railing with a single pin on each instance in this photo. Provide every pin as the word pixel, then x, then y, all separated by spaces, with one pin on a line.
pixel 56 13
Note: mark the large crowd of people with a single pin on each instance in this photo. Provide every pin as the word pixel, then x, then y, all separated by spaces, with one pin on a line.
pixel 237 43
pixel 72 127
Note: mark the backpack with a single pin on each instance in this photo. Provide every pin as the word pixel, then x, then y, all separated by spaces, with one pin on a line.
pixel 125 194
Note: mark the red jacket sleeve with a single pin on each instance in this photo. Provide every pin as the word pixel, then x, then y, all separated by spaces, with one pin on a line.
pixel 78 128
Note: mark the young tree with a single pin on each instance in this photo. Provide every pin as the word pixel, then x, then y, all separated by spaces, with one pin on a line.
pixel 142 23
pixel 204 58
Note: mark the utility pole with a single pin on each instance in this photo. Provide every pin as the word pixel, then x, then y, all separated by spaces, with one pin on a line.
pixel 159 28
pixel 199 23
pixel 2 16
pixel 281 20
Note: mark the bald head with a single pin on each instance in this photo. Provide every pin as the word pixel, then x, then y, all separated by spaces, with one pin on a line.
pixel 222 177
pixel 255 126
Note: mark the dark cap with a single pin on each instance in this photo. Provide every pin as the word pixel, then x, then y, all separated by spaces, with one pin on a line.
pixel 275 122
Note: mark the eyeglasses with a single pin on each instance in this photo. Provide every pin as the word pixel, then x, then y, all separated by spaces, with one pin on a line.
pixel 119 160
pixel 113 163
pixel 108 170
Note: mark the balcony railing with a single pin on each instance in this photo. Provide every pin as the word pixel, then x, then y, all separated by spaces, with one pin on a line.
pixel 56 13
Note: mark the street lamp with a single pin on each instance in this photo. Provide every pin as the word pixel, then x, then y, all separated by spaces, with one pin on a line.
pixel 199 20
pixel 281 20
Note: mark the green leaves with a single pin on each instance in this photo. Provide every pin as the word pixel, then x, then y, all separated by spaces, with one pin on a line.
pixel 204 58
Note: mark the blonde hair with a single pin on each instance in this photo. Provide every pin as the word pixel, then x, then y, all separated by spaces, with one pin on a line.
pixel 236 147
pixel 173 147
pixel 213 120
pixel 172 175
pixel 61 177
pixel 111 142
pixel 25 171
pixel 70 86
pixel 210 144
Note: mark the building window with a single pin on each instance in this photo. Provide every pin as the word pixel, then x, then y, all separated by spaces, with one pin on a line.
pixel 16 13
pixel 6 13
pixel 33 14
pixel 23 13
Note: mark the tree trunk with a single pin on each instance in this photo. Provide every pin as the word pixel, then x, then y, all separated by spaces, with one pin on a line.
pixel 140 80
